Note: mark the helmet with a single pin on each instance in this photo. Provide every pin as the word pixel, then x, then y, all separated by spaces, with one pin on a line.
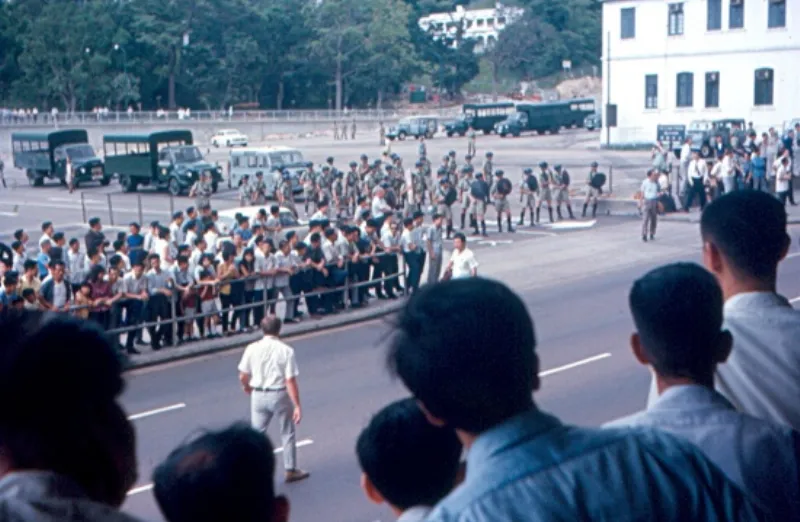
pixel 557 167
pixel 309 164
pixel 479 174
pixel 527 171
pixel 259 174
pixel 451 153
pixel 353 164
pixel 325 168
pixel 389 166
pixel 444 181
pixel 543 165
pixel 286 174
pixel 594 164
pixel 466 168
pixel 498 172
pixel 330 159
pixel 419 164
pixel 441 172
pixel 489 154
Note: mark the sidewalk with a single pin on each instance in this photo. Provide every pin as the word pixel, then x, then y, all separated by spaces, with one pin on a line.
pixel 792 214
pixel 376 309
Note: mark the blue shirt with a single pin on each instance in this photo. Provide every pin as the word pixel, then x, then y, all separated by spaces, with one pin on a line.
pixel 43 261
pixel 6 299
pixel 533 468
pixel 649 189
pixel 760 456
pixel 246 233
pixel 136 252
pixel 759 167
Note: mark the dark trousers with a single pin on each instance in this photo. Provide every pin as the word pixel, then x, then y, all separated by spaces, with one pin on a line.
pixel 696 189
pixel 297 286
pixel 391 265
pixel 103 318
pixel 228 302
pixel 160 309
pixel 415 265
pixel 250 297
pixel 259 296
pixel 135 313
pixel 336 278
pixel 784 196
pixel 791 190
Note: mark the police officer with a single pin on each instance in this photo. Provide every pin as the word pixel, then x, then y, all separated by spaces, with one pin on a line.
pixel 530 193
pixel 488 167
pixel 435 247
pixel 591 191
pixel 422 149
pixel 417 188
pixel 309 181
pixel 464 189
pixel 561 187
pixel 243 191
pixel 500 192
pixel 445 164
pixel 201 191
pixel 471 149
pixel 338 190
pixel 351 188
pixel 325 184
pixel 445 197
pixel 286 192
pixel 258 190
pixel 479 194
pixel 545 193
pixel 452 167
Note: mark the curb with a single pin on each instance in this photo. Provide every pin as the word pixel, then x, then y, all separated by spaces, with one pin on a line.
pixel 199 348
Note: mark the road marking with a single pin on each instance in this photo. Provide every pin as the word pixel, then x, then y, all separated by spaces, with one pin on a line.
pixel 494 243
pixel 570 366
pixel 157 411
pixel 9 214
pixel 149 487
pixel 535 233
pixel 795 300
pixel 793 254
pixel 75 200
pixel 570 225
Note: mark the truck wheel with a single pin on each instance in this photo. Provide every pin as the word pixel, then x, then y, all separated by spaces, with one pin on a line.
pixel 502 134
pixel 128 185
pixel 540 132
pixel 33 178
pixel 516 134
pixel 214 187
pixel 554 130
pixel 449 134
pixel 487 131
pixel 174 187
pixel 105 180
pixel 462 134
pixel 401 135
pixel 705 151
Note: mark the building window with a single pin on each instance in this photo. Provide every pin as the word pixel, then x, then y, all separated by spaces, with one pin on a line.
pixel 628 23
pixel 714 22
pixel 712 90
pixel 469 24
pixel 490 22
pixel 501 20
pixel 676 19
pixel 685 90
pixel 764 86
pixel 736 14
pixel 651 91
pixel 480 22
pixel 777 13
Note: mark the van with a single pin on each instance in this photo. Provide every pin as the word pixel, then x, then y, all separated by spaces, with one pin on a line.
pixel 270 161
pixel 44 155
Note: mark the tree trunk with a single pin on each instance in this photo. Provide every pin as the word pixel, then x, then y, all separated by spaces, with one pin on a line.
pixel 171 91
pixel 494 81
pixel 281 91
pixel 379 101
pixel 339 81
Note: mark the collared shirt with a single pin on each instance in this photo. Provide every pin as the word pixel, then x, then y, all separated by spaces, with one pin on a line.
pixel 43 261
pixel 649 190
pixel 532 467
pixel 379 206
pixel 686 153
pixel 43 496
pixel 76 267
pixel 760 456
pixel 18 263
pixel 407 239
pixel 436 239
pixel 414 514
pixel 134 285
pixel 464 263
pixel 783 175
pixel 389 239
pixel 176 234
pixel 269 362
pixel 158 280
pixel 698 169
pixel 330 251
pixel 282 261
pixel 46 239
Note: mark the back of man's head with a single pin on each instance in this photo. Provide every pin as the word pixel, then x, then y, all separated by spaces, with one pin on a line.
pixel 219 476
pixel 677 310
pixel 59 382
pixel 466 349
pixel 748 228
pixel 405 459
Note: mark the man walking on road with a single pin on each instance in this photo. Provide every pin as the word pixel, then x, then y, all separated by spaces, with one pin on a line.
pixel 268 373
pixel 650 193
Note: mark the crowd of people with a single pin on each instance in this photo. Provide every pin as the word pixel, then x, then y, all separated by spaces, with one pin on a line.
pixel 718 441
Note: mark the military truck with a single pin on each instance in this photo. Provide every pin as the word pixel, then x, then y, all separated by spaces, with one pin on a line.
pixel 414 126
pixel 44 155
pixel 704 134
pixel 479 117
pixel 164 160
pixel 546 117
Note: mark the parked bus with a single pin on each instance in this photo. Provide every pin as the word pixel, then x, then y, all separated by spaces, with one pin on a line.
pixel 44 155
pixel 479 117
pixel 546 117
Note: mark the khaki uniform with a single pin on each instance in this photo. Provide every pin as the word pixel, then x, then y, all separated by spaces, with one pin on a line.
pixel 560 189
pixel 545 187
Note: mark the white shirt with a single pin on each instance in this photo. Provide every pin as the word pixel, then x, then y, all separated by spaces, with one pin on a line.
pixel 686 153
pixel 649 190
pixel 698 169
pixel 211 242
pixel 190 238
pixel 269 362
pixel 464 263
pixel 727 167
pixel 378 207
pixel 414 514
pixel 46 238
pixel 176 234
pixel 59 294
pixel 782 177
pixel 76 266
pixel 126 261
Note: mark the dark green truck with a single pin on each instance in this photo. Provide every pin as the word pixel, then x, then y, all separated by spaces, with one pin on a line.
pixel 479 117
pixel 546 117
pixel 44 155
pixel 164 160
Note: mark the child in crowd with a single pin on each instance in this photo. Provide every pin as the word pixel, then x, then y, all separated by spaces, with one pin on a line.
pixel 207 291
pixel 407 462
pixel 83 299
pixel 29 299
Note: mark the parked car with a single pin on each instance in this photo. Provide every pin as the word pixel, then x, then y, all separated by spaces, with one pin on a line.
pixel 44 155
pixel 593 122
pixel 270 161
pixel 229 138
pixel 414 126
pixel 479 117
pixel 705 132
pixel 226 220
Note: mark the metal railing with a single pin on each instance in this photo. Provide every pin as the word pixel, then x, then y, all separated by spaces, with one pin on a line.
pixel 176 321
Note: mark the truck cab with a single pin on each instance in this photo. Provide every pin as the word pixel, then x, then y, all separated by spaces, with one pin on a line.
pixel 45 155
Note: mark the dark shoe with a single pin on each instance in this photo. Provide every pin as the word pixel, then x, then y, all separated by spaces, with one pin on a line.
pixel 296 475
pixel 132 351
pixel 652 237
pixel 512 230
pixel 391 296
pixel 644 238
pixel 155 346
pixel 290 321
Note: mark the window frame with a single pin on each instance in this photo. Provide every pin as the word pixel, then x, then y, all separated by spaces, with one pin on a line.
pixel 684 79
pixel 776 8
pixel 736 15
pixel 677 15
pixel 764 88
pixel 651 91
pixel 713 15
pixel 712 90
pixel 623 34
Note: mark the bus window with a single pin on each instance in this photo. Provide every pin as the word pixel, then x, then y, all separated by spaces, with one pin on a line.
pixel 252 162
pixel 16 146
pixel 263 162
pixel 236 161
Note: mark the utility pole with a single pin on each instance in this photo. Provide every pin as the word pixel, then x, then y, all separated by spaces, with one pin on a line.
pixel 608 88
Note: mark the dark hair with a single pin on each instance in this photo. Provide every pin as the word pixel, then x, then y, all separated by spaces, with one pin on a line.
pixel 315 237
pixel 118 244
pixel 115 260
pixel 57 262
pixel 94 444
pixel 95 272
pixel 462 237
pixel 408 460
pixel 446 350
pixel 16 245
pixel 48 224
pixel 220 475
pixel 329 232
pixel 274 208
pixel 29 264
pixel 73 241
pixel 408 221
pixel 182 259
pixel 27 292
pixel 189 210
pixel 271 325
pixel 749 228
pixel 677 310
pixel 58 236
pixel 94 221
pixel 18 234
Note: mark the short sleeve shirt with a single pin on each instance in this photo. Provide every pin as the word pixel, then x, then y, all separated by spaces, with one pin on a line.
pixel 269 362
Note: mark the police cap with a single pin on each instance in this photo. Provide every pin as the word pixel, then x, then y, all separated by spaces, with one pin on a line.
pixel 326 168
pixel 498 172
pixel 557 167
pixel 466 168
pixel 479 174
pixel 444 181
pixel 353 164
pixel 451 153
pixel 330 159
pixel 441 171
pixel 419 164
pixel 389 166
pixel 527 171
pixel 543 165
pixel 594 164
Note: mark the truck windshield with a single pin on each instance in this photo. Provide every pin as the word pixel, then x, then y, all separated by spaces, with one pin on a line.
pixel 188 154
pixel 700 126
pixel 78 152
pixel 285 158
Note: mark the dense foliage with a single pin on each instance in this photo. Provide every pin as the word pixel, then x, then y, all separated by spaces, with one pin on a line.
pixel 80 54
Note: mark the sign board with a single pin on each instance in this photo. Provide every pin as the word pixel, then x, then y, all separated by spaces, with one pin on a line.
pixel 667 134
pixel 566 64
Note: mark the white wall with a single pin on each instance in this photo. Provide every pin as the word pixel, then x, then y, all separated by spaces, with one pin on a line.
pixel 734 53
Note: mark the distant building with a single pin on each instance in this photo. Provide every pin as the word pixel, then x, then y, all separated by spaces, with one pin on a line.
pixel 674 62
pixel 481 25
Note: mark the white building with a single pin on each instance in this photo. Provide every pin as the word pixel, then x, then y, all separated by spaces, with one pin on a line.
pixel 482 25
pixel 671 62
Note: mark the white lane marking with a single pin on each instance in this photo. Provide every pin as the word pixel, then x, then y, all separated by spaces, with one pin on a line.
pixel 75 200
pixel 570 366
pixel 795 300
pixel 9 214
pixel 535 233
pixel 793 254
pixel 148 487
pixel 570 225
pixel 157 411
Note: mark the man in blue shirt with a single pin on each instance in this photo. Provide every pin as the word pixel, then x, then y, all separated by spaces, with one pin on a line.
pixel 43 259
pixel 9 290
pixel 758 171
pixel 466 350
pixel 762 457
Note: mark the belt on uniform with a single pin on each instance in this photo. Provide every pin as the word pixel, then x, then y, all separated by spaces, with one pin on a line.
pixel 276 389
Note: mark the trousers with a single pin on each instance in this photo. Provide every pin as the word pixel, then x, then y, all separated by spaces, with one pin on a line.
pixel 434 268
pixel 650 213
pixel 265 405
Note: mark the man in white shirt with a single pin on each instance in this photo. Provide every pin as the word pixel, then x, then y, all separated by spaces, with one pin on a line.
pixel 47 234
pixel 698 172
pixel 650 193
pixel 268 374
pixel 176 229
pixel 679 185
pixel 762 457
pixel 762 375
pixel 783 177
pixel 462 262
pixel 728 173
pixel 379 206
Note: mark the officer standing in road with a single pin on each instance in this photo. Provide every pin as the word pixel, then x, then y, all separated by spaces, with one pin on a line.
pixel 435 245
pixel 381 134
pixel 309 181
pixel 545 184
pixel 479 195
pixel 325 185
pixel 258 192
pixel 452 168
pixel 268 374
pixel 286 193
pixel 464 188
pixel 500 192
pixel 201 191
pixel 351 188
pixel 530 191
pixel 591 191
pixel 422 149
pixel 445 197
pixel 561 186
pixel 471 149
pixel 488 168
pixel 3 173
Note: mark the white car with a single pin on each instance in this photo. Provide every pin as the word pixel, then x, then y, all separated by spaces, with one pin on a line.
pixel 229 138
pixel 226 222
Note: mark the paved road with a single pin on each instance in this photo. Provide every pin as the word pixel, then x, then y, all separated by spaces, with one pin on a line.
pixel 582 326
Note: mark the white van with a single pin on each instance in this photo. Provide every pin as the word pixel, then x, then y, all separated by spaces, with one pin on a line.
pixel 268 160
